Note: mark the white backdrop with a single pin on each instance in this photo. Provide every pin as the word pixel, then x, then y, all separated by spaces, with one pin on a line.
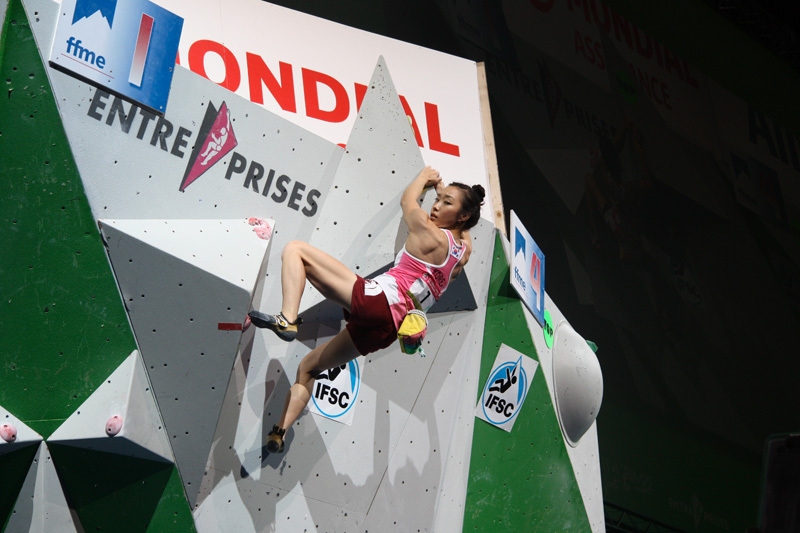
pixel 344 57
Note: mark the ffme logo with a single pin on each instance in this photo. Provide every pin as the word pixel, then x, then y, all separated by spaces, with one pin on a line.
pixel 76 49
pixel 128 48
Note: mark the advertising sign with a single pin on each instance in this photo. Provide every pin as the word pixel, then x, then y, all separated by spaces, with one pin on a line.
pixel 527 268
pixel 128 47
pixel 506 389
pixel 315 73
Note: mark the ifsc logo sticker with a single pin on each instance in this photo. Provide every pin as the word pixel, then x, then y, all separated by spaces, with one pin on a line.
pixel 505 392
pixel 336 392
pixel 506 388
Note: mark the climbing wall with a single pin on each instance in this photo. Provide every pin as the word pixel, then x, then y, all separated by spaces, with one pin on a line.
pixel 152 394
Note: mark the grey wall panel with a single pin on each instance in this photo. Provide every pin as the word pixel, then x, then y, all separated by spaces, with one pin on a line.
pixel 380 160
pixel 240 505
pixel 184 284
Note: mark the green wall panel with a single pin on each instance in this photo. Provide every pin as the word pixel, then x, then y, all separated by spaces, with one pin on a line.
pixel 522 480
pixel 63 327
pixel 172 512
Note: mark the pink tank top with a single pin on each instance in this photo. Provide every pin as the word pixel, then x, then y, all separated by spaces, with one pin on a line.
pixel 425 281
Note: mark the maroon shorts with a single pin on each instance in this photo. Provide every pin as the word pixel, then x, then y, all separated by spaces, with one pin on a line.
pixel 369 321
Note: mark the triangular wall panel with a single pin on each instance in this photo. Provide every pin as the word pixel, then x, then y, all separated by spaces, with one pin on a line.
pixel 430 461
pixel 113 456
pixel 188 286
pixel 380 160
pixel 14 433
pixel 109 491
pixel 41 506
pixel 120 417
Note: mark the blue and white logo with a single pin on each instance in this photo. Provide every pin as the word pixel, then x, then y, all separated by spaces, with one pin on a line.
pixel 336 392
pixel 506 388
pixel 505 392
pixel 527 269
pixel 128 47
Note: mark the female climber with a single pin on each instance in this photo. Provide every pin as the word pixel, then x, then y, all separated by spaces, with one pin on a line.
pixel 435 252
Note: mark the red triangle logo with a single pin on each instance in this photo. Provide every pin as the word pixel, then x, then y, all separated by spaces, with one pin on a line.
pixel 218 140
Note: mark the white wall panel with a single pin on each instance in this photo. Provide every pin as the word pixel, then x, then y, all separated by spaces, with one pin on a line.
pixel 18 433
pixel 426 451
pixel 128 175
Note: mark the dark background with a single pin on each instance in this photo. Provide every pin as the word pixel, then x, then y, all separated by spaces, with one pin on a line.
pixel 670 465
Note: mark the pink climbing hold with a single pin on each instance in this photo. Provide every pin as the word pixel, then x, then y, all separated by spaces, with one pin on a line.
pixel 262 228
pixel 113 425
pixel 8 433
